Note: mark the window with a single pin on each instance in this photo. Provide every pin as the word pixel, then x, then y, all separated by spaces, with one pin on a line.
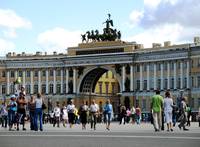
pixel 172 66
pixel 185 83
pixel 12 74
pixel 159 66
pixel 51 73
pixel 138 85
pixel 51 88
pixel 145 84
pixel 113 76
pixel 44 73
pixel 144 67
pixel 28 73
pixel 43 88
pixel 179 83
pixel 58 73
pixel 35 88
pixel 20 73
pixel 3 74
pixel 3 89
pixel 192 81
pixel 36 73
pixel 107 87
pixel 158 83
pixel 165 66
pixel 138 68
pixel 198 81
pixel 100 87
pixel 64 88
pixel 113 88
pixel 58 88
pixel 172 83
pixel 143 104
pixel 165 84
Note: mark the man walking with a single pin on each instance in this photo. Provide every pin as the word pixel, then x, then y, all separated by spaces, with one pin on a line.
pixel 156 107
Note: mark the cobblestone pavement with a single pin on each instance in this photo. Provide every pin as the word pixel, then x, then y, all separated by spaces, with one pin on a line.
pixel 129 135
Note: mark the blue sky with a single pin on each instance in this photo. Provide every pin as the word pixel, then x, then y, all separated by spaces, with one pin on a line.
pixel 49 25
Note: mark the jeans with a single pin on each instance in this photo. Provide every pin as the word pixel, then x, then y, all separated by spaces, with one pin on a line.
pixel 11 117
pixel 108 117
pixel 93 120
pixel 32 124
pixel 38 112
pixel 4 121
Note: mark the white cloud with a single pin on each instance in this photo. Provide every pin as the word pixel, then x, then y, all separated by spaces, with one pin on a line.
pixel 162 20
pixel 58 39
pixel 9 19
pixel 135 17
pixel 6 46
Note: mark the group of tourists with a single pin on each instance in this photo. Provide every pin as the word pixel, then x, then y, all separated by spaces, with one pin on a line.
pixel 163 110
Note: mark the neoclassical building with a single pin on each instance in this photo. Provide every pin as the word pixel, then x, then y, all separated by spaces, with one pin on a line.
pixel 137 71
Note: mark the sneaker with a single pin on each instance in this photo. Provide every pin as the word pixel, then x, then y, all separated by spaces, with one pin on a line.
pixel 24 129
pixel 171 130
pixel 185 129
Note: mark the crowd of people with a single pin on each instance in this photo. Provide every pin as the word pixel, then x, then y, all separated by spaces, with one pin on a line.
pixel 163 110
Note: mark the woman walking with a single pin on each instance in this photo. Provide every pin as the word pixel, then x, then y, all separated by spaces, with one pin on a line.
pixel 108 110
pixel 38 112
pixel 83 114
pixel 168 107
pixel 71 110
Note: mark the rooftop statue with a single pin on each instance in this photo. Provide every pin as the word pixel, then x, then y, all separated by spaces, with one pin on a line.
pixel 109 34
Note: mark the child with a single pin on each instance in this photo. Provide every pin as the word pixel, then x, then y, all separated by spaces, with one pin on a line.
pixel 56 112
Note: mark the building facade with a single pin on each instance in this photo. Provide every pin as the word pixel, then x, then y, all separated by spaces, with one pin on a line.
pixel 138 72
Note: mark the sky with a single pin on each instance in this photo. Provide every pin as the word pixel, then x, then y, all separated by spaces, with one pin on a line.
pixel 54 25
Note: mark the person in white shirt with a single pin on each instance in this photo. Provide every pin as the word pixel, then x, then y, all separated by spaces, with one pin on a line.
pixel 65 116
pixel 168 107
pixel 70 110
pixel 94 109
pixel 56 112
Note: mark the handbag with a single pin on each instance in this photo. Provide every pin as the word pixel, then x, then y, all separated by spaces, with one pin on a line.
pixel 43 106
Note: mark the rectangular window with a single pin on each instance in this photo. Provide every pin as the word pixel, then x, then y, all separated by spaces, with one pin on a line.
pixel 100 87
pixel 51 73
pixel 179 83
pixel 36 73
pixel 28 89
pixel 192 82
pixel 58 89
pixel 51 88
pixel 113 76
pixel 198 81
pixel 143 104
pixel 159 66
pixel 185 83
pixel 58 73
pixel 12 74
pixel 113 88
pixel 107 87
pixel 158 83
pixel 172 83
pixel 138 68
pixel 138 85
pixel 165 84
pixel 43 88
pixel 35 88
pixel 28 73
pixel 144 67
pixel 44 73
pixel 20 73
pixel 3 89
pixel 12 89
pixel 145 84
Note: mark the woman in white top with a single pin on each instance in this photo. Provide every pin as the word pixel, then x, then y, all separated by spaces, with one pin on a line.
pixel 70 110
pixel 168 104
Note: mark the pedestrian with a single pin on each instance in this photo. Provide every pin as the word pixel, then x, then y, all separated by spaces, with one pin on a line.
pixel 174 114
pixel 31 108
pixel 183 115
pixel 168 107
pixel 57 113
pixel 21 111
pixel 189 115
pixel 4 114
pixel 83 114
pixel 122 115
pixel 12 111
pixel 198 117
pixel 133 114
pixel 108 111
pixel 38 112
pixel 64 116
pixel 138 114
pixel 71 110
pixel 156 107
pixel 94 109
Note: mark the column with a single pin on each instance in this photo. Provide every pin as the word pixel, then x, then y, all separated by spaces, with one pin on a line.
pixel 31 72
pixel 24 78
pixel 54 81
pixel 39 81
pixel 123 78
pixel 47 81
pixel 67 80
pixel 168 75
pixel 188 74
pixel 8 82
pixel 141 79
pixel 131 77
pixel 148 82
pixel 161 76
pixel 15 80
pixel 175 75
pixel 74 80
pixel 61 81
pixel 154 79
pixel 181 74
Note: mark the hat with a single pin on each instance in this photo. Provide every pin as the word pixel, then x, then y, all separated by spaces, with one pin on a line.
pixel 12 96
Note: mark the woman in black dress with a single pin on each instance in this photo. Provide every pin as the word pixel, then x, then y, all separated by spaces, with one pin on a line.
pixel 83 114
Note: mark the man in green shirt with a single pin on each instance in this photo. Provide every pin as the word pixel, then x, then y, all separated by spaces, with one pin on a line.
pixel 156 107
